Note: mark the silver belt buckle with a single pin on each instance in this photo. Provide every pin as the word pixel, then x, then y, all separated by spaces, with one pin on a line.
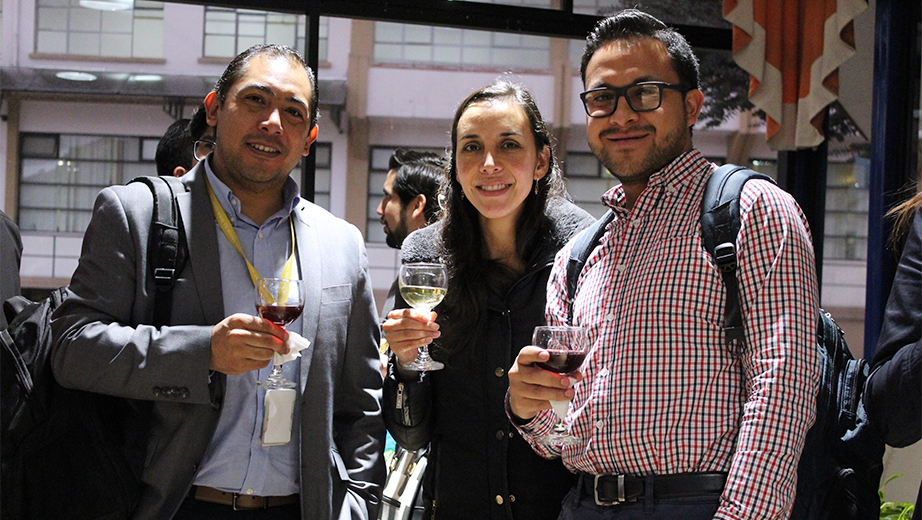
pixel 595 491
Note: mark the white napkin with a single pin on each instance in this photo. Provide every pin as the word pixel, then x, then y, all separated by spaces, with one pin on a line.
pixel 562 407
pixel 296 343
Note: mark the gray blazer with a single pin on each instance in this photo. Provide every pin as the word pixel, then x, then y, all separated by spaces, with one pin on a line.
pixel 103 343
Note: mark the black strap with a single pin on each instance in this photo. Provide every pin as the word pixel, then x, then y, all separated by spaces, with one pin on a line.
pixel 583 245
pixel 720 226
pixel 166 246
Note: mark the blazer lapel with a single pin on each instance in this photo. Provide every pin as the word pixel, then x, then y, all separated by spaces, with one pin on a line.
pixel 202 241
pixel 308 244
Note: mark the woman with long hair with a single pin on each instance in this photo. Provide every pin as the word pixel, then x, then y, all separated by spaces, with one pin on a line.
pixel 504 218
pixel 893 392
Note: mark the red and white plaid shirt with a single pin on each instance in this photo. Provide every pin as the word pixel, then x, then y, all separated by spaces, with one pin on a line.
pixel 662 392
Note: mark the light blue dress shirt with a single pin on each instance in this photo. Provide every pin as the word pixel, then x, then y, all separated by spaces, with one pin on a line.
pixel 236 461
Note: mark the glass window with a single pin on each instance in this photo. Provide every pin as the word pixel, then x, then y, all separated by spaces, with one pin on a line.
pixel 65 27
pixel 587 180
pixel 419 44
pixel 231 31
pixel 546 4
pixel 62 174
pixel 706 13
pixel 323 174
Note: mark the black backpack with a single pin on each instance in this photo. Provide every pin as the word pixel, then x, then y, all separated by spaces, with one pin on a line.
pixel 842 461
pixel 68 453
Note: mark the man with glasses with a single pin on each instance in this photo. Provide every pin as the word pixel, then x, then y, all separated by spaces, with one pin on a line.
pixel 173 155
pixel 676 420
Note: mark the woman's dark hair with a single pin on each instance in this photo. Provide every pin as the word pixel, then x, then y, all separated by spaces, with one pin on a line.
pixel 472 275
pixel 631 23
pixel 237 68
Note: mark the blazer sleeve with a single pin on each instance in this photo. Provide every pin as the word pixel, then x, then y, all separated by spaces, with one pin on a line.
pixel 103 342
pixel 357 424
pixel 893 394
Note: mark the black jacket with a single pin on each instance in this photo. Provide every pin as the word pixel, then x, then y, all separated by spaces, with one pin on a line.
pixel 893 395
pixel 479 467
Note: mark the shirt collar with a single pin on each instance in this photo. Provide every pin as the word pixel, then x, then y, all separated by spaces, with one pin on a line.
pixel 231 204
pixel 683 169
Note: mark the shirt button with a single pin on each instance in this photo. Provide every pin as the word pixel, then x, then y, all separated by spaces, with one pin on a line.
pixel 620 268
pixel 260 234
pixel 233 202
pixel 500 434
pixel 512 498
pixel 635 222
pixel 499 372
pixel 598 424
pixel 250 491
pixel 603 372
pixel 499 499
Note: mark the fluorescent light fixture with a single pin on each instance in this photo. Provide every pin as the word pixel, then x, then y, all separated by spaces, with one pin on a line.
pixel 76 76
pixel 107 5
pixel 145 77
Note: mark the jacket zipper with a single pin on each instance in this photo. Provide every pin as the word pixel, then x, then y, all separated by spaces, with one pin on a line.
pixel 401 404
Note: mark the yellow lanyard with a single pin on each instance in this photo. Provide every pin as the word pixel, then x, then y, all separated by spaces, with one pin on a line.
pixel 228 229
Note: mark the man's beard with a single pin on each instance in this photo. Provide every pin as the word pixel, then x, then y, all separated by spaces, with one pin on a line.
pixel 656 158
pixel 395 237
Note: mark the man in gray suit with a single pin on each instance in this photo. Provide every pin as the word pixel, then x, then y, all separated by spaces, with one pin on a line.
pixel 241 214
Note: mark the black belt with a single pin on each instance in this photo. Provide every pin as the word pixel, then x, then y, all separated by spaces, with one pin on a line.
pixel 609 490
pixel 238 501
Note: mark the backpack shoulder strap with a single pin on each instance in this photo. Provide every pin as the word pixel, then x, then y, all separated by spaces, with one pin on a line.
pixel 583 245
pixel 720 225
pixel 166 248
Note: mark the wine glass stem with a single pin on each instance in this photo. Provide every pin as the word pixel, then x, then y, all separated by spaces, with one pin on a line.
pixel 276 372
pixel 423 353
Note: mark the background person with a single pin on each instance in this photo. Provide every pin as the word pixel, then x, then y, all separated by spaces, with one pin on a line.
pixel 685 423
pixel 205 458
pixel 184 143
pixel 893 396
pixel 410 201
pixel 505 217
pixel 10 258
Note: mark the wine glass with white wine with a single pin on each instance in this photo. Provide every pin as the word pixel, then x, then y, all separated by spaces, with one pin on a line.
pixel 423 286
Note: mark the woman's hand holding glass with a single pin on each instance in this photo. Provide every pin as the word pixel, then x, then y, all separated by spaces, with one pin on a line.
pixel 406 330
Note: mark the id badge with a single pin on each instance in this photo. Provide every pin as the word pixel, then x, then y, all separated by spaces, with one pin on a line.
pixel 278 415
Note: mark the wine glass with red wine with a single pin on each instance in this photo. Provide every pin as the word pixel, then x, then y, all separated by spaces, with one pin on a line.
pixel 279 300
pixel 568 347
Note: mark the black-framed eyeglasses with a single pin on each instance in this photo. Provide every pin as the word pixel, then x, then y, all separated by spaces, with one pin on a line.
pixel 202 148
pixel 641 97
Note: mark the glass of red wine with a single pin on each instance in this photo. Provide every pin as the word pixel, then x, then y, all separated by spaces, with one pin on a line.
pixel 279 300
pixel 568 347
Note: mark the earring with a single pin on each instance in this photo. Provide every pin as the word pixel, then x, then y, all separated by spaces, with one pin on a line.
pixel 462 194
pixel 536 186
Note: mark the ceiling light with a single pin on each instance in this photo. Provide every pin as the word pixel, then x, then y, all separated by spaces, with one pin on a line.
pixel 107 5
pixel 145 77
pixel 76 76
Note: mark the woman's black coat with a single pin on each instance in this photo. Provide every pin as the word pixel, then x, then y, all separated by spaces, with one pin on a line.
pixel 479 467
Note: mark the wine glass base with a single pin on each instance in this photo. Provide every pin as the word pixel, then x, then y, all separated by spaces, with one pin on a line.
pixel 558 439
pixel 270 383
pixel 424 365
